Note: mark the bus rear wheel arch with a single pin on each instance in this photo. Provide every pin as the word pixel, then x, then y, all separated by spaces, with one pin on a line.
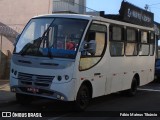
pixel 134 85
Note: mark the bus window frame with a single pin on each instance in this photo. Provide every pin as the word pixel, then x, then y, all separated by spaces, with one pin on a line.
pixel 152 43
pixel 116 41
pixel 104 49
pixel 136 41
pixel 105 46
pixel 140 42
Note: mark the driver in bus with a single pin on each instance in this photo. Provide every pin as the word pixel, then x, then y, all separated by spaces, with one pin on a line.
pixel 89 37
pixel 70 45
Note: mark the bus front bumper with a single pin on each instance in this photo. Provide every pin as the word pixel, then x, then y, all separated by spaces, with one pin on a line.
pixel 63 92
pixel 39 92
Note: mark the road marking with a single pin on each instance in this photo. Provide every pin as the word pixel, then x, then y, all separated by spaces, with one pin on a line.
pixel 150 90
pixel 55 118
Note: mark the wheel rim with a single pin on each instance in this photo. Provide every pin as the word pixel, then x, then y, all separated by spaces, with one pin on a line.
pixel 84 98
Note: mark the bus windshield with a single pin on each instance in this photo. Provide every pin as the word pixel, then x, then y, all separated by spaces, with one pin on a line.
pixel 51 37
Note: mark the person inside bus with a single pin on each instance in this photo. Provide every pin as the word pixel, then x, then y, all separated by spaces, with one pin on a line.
pixel 70 45
pixel 90 37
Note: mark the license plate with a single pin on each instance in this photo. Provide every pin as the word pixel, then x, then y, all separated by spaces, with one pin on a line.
pixel 33 90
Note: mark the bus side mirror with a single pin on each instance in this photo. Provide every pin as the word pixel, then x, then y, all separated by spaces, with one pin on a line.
pixel 88 47
pixel 16 40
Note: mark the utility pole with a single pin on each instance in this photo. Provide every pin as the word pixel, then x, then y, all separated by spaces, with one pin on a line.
pixel 146 7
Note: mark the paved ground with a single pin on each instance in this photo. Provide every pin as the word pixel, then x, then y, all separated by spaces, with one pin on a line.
pixel 147 99
pixel 6 97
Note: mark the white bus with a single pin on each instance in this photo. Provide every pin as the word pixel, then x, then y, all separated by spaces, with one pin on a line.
pixel 72 57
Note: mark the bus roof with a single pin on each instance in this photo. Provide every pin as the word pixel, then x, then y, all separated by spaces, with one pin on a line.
pixel 96 18
pixel 78 16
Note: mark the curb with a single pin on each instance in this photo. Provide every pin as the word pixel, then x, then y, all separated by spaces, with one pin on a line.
pixel 8 99
pixel 4 80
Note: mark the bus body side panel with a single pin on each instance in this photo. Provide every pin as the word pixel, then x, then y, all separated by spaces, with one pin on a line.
pixel 123 69
pixel 97 76
pixel 117 70
pixel 147 69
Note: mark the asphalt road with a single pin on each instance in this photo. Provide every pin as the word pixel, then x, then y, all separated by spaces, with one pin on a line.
pixel 111 106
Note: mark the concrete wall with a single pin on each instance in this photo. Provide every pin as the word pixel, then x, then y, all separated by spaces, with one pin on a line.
pixel 72 6
pixel 20 11
pixel 14 14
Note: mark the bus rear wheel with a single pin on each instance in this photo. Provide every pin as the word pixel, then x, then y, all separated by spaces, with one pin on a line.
pixel 133 90
pixel 23 99
pixel 83 98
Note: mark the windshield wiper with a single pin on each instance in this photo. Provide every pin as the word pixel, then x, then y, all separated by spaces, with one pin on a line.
pixel 30 45
pixel 45 38
pixel 36 43
pixel 34 47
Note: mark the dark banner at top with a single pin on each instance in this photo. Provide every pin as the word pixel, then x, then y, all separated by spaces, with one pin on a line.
pixel 136 15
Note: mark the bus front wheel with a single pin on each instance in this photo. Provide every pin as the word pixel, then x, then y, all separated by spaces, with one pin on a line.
pixel 83 98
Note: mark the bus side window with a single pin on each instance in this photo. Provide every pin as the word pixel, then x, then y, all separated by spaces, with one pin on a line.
pixel 144 43
pixel 116 41
pixel 131 46
pixel 152 43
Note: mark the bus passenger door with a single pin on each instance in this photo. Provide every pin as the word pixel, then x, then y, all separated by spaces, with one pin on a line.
pixel 91 64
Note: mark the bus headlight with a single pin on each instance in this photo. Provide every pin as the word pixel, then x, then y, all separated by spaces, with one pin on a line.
pixel 15 73
pixel 59 78
pixel 12 70
pixel 66 77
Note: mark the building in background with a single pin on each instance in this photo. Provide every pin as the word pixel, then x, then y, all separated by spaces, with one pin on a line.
pixel 69 6
pixel 15 14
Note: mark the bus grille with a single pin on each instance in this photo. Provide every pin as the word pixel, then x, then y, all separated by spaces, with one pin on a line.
pixel 35 80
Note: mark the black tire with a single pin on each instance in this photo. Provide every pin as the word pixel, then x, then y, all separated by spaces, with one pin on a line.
pixel 23 99
pixel 133 90
pixel 83 98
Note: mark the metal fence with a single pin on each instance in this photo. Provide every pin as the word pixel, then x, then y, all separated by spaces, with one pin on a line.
pixel 7 35
pixel 5 57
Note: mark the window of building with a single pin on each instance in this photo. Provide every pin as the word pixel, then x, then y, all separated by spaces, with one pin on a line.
pixel 69 1
pixel 116 41
pixel 131 48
